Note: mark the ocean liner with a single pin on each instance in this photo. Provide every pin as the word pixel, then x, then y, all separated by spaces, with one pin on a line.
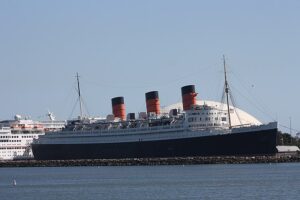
pixel 196 130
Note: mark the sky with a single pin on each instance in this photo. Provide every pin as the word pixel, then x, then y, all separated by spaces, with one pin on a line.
pixel 128 48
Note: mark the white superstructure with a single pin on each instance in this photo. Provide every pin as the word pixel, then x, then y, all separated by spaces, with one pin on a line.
pixel 238 116
pixel 200 120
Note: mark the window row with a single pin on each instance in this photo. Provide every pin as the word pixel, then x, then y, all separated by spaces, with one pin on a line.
pixel 204 125
pixel 9 136
pixel 28 136
pixel 12 148
pixel 206 113
pixel 10 140
pixel 194 119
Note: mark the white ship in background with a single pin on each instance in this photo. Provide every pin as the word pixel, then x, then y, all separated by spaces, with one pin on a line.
pixel 17 135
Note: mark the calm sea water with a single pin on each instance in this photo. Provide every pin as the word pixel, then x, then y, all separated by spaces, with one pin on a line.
pixel 254 181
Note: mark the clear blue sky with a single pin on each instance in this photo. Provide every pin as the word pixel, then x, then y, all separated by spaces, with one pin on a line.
pixel 127 48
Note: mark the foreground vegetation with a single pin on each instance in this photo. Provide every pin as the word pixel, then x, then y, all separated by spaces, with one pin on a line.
pixel 287 139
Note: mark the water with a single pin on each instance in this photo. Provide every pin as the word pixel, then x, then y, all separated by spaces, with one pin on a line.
pixel 253 181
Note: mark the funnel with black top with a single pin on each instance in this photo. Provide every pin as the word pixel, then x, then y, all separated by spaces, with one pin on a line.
pixel 152 102
pixel 188 96
pixel 118 107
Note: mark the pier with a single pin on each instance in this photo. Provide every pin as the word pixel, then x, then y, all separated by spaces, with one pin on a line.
pixel 155 161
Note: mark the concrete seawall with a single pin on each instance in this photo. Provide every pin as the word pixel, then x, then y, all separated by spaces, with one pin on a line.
pixel 154 161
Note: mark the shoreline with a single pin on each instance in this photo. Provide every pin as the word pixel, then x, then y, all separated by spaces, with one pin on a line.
pixel 154 161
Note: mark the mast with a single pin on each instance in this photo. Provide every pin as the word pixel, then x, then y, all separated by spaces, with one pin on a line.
pixel 79 95
pixel 227 92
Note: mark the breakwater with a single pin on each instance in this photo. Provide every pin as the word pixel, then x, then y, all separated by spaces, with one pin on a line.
pixel 154 161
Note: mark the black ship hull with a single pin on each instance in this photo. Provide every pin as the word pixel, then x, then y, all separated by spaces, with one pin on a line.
pixel 250 143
